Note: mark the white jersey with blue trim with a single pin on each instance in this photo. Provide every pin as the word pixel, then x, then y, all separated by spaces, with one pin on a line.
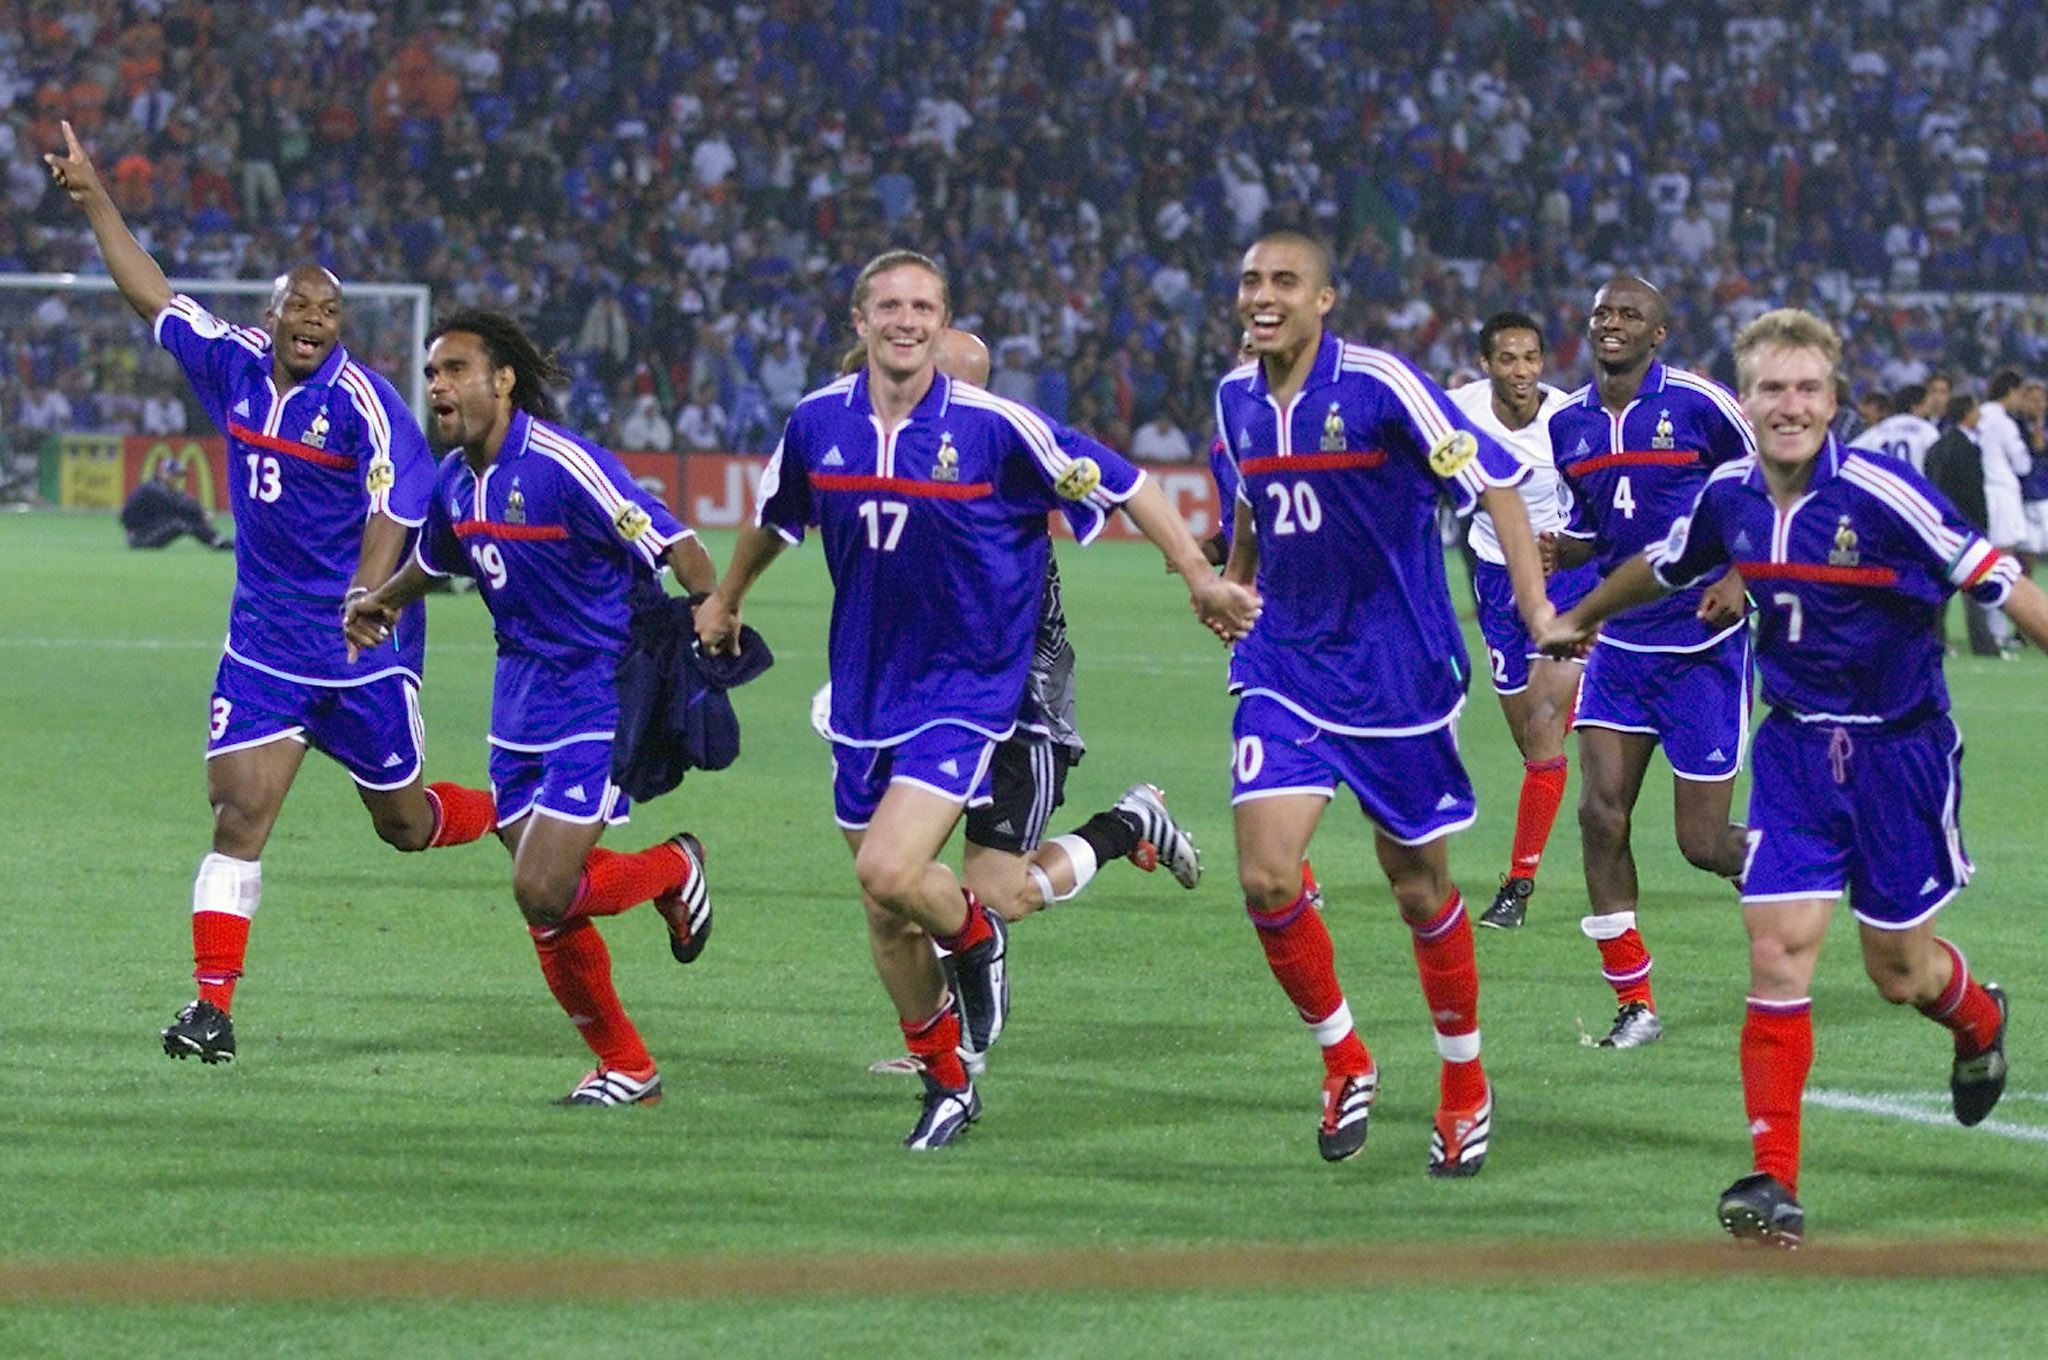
pixel 1358 634
pixel 1850 581
pixel 1543 493
pixel 306 469
pixel 936 539
pixel 554 531
pixel 1903 436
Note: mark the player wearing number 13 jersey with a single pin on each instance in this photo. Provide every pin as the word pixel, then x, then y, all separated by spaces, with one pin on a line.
pixel 328 476
pixel 1356 670
pixel 1634 448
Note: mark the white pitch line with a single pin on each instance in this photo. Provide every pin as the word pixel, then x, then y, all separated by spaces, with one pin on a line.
pixel 1922 1110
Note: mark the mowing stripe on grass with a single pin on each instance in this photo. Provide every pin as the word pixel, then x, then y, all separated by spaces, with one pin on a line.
pixel 1087 1271
pixel 1933 1109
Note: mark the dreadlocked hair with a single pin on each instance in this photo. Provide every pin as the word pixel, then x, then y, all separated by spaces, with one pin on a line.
pixel 509 346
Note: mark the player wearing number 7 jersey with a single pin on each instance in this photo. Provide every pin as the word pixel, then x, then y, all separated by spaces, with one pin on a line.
pixel 1634 447
pixel 328 476
pixel 1356 671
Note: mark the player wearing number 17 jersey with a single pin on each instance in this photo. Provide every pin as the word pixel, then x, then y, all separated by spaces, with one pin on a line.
pixel 1634 447
pixel 328 477
pixel 1356 671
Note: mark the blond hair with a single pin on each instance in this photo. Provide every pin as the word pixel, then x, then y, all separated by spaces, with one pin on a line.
pixel 1784 328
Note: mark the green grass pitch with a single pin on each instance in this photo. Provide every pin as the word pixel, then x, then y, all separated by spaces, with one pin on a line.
pixel 383 1174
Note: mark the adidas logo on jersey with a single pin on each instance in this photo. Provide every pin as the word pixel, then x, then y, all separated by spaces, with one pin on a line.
pixel 576 792
pixel 242 408
pixel 1244 439
pixel 832 458
pixel 1931 885
pixel 1004 827
pixel 1742 540
pixel 1446 803
pixel 1583 447
pixel 393 759
pixel 951 767
pixel 1717 755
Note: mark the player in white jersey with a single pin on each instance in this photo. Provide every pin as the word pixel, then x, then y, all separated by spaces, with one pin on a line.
pixel 1537 693
pixel 1907 433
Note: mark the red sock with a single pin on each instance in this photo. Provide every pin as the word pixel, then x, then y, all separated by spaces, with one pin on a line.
pixel 613 881
pixel 1777 1053
pixel 1450 984
pixel 1542 791
pixel 461 815
pixel 578 969
pixel 1624 958
pixel 936 1040
pixel 1964 1006
pixel 972 932
pixel 220 942
pixel 1304 961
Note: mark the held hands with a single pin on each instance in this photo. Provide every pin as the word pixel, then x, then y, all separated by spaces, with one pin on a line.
pixel 1546 552
pixel 1226 608
pixel 365 622
pixel 1723 602
pixel 72 169
pixel 718 628
pixel 1562 635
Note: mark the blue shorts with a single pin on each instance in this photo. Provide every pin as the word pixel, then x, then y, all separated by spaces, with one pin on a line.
pixel 1412 788
pixel 945 759
pixel 571 782
pixel 1696 703
pixel 373 730
pixel 1875 811
pixel 1509 649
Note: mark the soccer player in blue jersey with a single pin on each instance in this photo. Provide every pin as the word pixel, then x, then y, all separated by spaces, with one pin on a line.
pixel 555 532
pixel 1852 557
pixel 1356 671
pixel 931 498
pixel 1634 446
pixel 1537 693
pixel 328 478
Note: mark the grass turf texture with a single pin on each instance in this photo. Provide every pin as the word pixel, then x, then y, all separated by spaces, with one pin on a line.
pixel 1154 1092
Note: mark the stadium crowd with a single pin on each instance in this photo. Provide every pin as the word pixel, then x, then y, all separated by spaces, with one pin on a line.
pixel 677 195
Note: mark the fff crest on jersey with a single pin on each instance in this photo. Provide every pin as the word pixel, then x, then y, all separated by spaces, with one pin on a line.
pixel 316 433
pixel 515 505
pixel 946 466
pixel 1845 553
pixel 1333 430
pixel 1663 439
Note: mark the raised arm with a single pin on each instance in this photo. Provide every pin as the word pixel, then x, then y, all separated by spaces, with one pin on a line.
pixel 135 273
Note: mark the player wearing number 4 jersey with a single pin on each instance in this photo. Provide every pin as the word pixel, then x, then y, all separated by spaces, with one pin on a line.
pixel 1356 671
pixel 556 534
pixel 1634 447
pixel 1852 557
pixel 328 477
pixel 930 498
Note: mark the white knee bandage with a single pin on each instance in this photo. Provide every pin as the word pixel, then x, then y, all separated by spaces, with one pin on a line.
pixel 230 886
pixel 1612 926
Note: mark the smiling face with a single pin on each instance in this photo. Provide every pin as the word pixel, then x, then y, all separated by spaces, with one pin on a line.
pixel 1788 393
pixel 1513 365
pixel 900 321
pixel 469 399
pixel 1626 326
pixel 1283 293
pixel 304 320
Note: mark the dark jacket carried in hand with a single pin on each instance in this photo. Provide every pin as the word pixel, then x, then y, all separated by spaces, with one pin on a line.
pixel 674 715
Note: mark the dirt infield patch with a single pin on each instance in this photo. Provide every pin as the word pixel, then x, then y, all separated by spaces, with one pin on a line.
pixel 1134 1270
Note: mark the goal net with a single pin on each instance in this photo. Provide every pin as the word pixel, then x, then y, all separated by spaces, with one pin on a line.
pixel 86 393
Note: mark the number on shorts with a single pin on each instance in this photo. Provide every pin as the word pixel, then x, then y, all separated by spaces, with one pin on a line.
pixel 1795 621
pixel 1751 839
pixel 1248 759
pixel 492 563
pixel 1498 660
pixel 1624 498
pixel 881 537
pixel 219 725
pixel 1295 508
pixel 266 478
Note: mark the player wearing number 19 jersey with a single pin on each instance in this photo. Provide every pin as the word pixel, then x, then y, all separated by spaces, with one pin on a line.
pixel 1634 448
pixel 328 476
pixel 1356 671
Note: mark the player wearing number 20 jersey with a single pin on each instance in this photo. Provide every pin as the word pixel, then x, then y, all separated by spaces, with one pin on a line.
pixel 306 468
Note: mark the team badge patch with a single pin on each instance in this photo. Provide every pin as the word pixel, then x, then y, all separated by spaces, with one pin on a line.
pixel 1663 438
pixel 631 522
pixel 1082 476
pixel 1452 453
pixel 316 433
pixel 1333 430
pixel 946 467
pixel 515 505
pixel 1844 553
pixel 381 477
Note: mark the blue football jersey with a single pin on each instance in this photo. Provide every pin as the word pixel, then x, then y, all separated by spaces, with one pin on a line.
pixel 1358 634
pixel 553 531
pixel 935 536
pixel 1632 475
pixel 306 469
pixel 1849 583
